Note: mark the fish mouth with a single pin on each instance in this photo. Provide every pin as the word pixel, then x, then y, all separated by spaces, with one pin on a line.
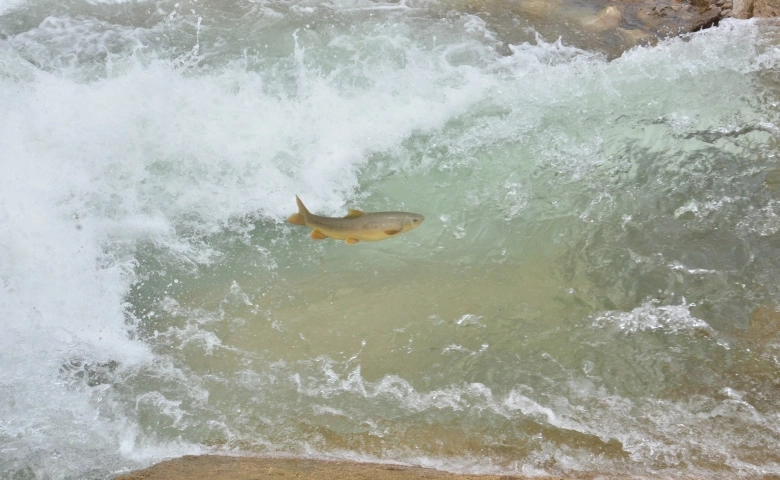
pixel 416 221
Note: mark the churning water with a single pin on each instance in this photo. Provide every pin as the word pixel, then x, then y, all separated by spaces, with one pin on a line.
pixel 595 288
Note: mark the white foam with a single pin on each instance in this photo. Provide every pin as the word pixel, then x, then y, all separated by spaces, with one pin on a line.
pixel 651 316
pixel 656 434
pixel 7 5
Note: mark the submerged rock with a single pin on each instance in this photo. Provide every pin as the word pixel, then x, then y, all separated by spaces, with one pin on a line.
pixel 213 467
pixel 609 17
pixel 609 26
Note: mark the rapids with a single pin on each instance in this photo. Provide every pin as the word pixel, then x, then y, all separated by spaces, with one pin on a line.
pixel 595 289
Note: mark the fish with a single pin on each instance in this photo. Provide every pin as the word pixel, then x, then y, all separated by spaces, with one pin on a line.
pixel 356 226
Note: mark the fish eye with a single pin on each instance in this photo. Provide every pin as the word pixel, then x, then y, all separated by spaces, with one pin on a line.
pixel 415 220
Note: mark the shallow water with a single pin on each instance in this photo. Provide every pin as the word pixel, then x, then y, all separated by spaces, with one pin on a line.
pixel 594 289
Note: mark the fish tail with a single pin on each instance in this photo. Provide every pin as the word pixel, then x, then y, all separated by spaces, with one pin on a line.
pixel 300 217
pixel 301 207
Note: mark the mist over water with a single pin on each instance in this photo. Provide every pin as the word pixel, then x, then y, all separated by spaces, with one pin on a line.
pixel 594 289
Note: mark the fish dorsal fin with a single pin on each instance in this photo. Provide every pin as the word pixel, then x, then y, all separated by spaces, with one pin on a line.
pixel 354 213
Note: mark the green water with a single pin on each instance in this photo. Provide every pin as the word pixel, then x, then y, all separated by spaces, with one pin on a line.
pixel 594 290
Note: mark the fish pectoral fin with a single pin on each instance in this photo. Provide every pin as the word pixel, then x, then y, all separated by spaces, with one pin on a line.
pixel 352 241
pixel 392 232
pixel 296 219
pixel 318 235
pixel 354 213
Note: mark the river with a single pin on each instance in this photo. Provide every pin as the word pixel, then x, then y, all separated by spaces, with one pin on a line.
pixel 595 289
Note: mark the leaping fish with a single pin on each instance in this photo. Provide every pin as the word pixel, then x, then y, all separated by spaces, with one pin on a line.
pixel 356 226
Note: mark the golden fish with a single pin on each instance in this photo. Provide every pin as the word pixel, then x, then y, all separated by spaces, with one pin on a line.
pixel 357 225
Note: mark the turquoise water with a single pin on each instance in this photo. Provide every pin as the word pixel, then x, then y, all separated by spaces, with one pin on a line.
pixel 594 290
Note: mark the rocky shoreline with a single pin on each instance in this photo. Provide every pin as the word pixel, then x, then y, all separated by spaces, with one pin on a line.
pixel 648 21
pixel 698 14
pixel 608 26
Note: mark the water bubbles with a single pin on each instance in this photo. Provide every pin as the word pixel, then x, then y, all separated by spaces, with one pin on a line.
pixel 459 232
pixel 651 316
pixel 469 320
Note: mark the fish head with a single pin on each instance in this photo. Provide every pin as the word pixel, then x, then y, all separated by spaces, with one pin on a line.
pixel 411 220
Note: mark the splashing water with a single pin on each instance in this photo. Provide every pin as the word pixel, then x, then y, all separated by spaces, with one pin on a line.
pixel 594 291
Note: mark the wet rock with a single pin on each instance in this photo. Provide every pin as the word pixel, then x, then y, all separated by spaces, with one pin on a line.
pixel 772 180
pixel 755 8
pixel 610 17
pixel 742 9
pixel 609 26
pixel 539 8
pixel 665 19
pixel 674 17
pixel 214 467
pixel 766 8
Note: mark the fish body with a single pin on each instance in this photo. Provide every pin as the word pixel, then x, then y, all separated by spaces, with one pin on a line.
pixel 356 226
